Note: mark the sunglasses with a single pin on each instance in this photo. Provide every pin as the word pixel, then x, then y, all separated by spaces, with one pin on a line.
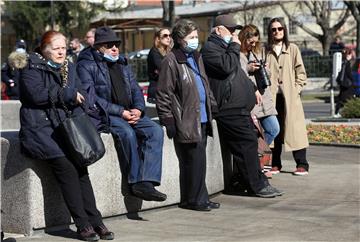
pixel 165 36
pixel 278 29
pixel 111 44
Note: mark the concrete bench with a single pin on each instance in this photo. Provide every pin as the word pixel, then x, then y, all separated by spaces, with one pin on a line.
pixel 31 198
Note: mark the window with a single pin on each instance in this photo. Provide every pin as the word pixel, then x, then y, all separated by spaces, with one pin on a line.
pixel 292 27
pixel 266 22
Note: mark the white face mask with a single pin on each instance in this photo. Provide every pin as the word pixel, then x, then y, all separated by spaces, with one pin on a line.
pixel 20 50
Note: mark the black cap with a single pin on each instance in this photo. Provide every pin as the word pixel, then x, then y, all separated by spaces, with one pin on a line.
pixel 20 44
pixel 105 34
pixel 228 21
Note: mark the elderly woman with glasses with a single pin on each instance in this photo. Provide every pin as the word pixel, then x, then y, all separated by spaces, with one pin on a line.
pixel 162 46
pixel 288 77
pixel 49 76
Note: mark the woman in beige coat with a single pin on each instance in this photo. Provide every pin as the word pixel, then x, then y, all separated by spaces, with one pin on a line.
pixel 288 76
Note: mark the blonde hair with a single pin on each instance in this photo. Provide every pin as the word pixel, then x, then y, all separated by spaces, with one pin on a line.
pixel 247 32
pixel 157 43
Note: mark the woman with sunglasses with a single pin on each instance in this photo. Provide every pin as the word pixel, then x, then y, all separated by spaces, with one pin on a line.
pixel 162 46
pixel 288 76
pixel 251 58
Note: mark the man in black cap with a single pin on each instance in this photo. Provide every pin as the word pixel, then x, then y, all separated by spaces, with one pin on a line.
pixel 116 103
pixel 236 96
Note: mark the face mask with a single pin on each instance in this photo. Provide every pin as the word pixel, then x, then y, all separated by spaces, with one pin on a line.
pixel 192 44
pixel 110 58
pixel 227 39
pixel 53 64
pixel 20 50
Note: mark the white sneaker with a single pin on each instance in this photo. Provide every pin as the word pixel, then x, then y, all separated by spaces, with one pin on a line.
pixel 300 172
pixel 337 115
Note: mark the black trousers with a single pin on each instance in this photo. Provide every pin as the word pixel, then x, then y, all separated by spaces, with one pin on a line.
pixel 192 164
pixel 77 191
pixel 344 95
pixel 238 133
pixel 299 155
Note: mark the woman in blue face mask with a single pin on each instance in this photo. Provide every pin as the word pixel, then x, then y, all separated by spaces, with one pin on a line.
pixel 185 104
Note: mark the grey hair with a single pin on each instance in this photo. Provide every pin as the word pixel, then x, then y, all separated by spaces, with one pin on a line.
pixel 182 28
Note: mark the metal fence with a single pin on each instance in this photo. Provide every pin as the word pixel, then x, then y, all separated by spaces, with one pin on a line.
pixel 316 66
pixel 139 68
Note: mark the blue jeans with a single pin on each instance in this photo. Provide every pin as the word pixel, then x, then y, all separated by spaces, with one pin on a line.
pixel 141 146
pixel 271 128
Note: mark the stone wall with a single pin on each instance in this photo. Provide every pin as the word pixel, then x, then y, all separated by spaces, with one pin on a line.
pixel 31 198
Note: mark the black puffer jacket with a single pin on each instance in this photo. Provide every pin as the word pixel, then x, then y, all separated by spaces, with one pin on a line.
pixel 232 89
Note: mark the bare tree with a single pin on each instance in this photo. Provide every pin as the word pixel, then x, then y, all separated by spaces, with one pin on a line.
pixel 355 11
pixel 321 11
pixel 168 13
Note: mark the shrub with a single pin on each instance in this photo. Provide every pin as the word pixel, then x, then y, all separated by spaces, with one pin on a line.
pixel 351 108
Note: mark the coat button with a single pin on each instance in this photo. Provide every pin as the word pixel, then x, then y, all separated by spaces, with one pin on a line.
pixel 280 67
pixel 280 82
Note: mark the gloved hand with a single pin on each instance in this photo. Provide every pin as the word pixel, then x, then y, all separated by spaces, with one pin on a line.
pixel 170 130
pixel 169 124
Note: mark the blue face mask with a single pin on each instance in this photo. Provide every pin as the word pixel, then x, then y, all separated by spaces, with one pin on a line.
pixel 191 45
pixel 53 64
pixel 227 39
pixel 110 58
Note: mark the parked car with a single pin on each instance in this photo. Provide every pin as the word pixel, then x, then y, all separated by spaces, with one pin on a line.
pixel 141 54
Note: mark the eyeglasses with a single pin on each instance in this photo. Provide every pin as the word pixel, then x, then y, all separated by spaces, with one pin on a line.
pixel 278 29
pixel 111 44
pixel 165 36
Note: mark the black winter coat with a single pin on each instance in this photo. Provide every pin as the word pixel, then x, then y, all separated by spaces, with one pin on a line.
pixel 38 81
pixel 154 65
pixel 232 89
pixel 345 77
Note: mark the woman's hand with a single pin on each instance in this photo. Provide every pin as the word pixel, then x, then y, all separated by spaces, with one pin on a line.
pixel 79 98
pixel 253 66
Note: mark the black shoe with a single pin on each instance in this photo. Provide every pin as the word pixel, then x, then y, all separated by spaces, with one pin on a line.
pixel 266 192
pixel 213 205
pixel 104 233
pixel 88 234
pixel 202 207
pixel 147 192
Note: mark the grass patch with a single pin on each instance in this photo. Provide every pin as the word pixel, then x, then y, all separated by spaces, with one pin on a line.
pixel 315 96
pixel 337 134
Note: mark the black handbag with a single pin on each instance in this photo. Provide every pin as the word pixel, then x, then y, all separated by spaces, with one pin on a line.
pixel 79 138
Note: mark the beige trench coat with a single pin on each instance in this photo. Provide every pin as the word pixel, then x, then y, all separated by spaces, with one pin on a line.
pixel 287 72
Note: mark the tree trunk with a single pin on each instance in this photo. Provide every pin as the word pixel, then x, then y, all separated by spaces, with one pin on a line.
pixel 168 13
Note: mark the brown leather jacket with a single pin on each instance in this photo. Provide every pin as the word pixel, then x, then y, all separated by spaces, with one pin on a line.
pixel 178 99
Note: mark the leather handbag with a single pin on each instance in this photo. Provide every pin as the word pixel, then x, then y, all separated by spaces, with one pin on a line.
pixel 79 138
pixel 264 151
